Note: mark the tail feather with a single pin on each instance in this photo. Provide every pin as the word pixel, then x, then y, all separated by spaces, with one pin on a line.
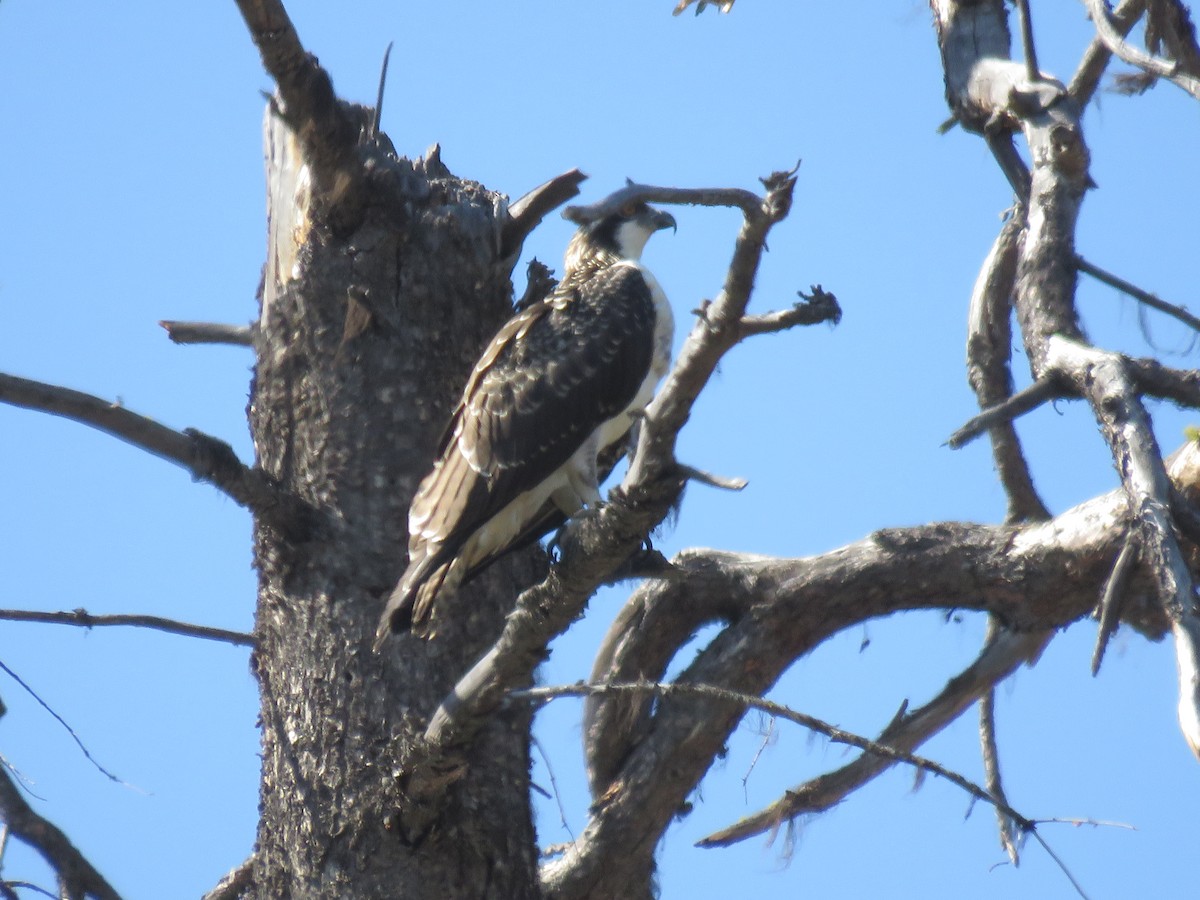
pixel 410 604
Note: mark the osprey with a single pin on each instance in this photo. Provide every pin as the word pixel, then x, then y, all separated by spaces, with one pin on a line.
pixel 561 382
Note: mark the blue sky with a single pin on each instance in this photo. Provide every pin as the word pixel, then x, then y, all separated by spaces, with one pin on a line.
pixel 131 176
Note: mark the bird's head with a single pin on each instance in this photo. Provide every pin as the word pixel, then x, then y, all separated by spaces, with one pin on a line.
pixel 624 232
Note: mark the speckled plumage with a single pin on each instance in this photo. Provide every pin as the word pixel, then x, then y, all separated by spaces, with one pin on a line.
pixel 553 388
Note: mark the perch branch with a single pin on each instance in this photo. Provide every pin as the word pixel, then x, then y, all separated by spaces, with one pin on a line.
pixel 748 202
pixel 205 458
pixel 208 333
pixel 601 540
pixel 84 619
pixel 1034 578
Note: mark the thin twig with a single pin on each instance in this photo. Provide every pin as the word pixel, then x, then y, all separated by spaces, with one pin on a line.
pixel 23 780
pixel 721 482
pixel 562 812
pixel 84 619
pixel 1145 297
pixel 1032 72
pixel 1041 391
pixel 383 69
pixel 26 886
pixel 991 759
pixel 1061 865
pixel 71 731
pixel 766 740
pixel 664 690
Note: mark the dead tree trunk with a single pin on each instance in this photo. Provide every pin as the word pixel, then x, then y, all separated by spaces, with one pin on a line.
pixel 346 403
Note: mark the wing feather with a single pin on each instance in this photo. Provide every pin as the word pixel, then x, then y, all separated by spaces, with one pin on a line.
pixel 551 376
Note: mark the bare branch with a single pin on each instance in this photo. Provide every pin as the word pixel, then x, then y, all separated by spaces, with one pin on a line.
pixel 1156 380
pixel 1008 827
pixel 205 458
pixel 1095 58
pixel 1033 577
pixel 208 333
pixel 995 663
pixel 1105 379
pixel 1176 312
pixel 84 619
pixel 819 306
pixel 989 354
pixel 309 104
pixel 527 213
pixel 1032 72
pixel 562 813
pixel 1169 25
pixel 1154 65
pixel 1041 391
pixel 837 735
pixel 78 878
pixel 720 482
pixel 61 721
pixel 748 202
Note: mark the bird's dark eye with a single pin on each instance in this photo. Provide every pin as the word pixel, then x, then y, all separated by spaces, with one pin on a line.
pixel 628 210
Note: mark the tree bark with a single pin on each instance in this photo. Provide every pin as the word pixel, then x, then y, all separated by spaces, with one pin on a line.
pixel 346 402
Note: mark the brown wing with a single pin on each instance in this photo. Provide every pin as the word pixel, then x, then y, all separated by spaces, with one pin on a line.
pixel 549 378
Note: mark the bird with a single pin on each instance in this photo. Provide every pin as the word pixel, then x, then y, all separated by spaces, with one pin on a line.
pixel 561 383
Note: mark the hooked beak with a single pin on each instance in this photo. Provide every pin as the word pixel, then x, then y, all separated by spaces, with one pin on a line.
pixel 663 220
